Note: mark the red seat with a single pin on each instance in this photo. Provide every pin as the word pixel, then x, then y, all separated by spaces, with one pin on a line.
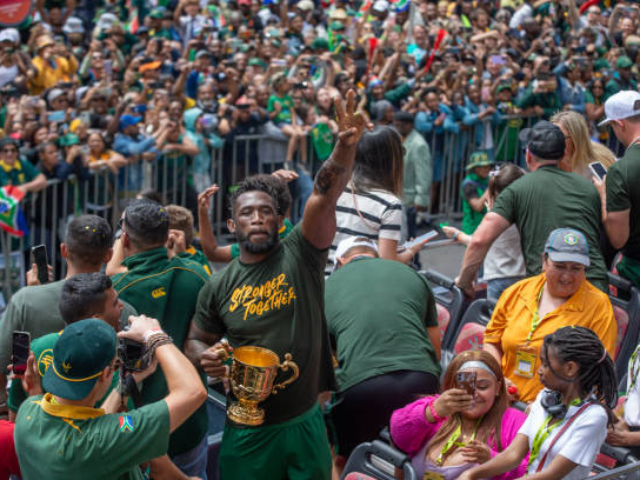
pixel 444 317
pixel 358 476
pixel 622 319
pixel 471 337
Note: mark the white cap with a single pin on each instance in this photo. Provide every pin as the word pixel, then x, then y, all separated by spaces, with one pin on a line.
pixel 622 105
pixel 381 6
pixel 73 25
pixel 10 34
pixel 348 243
pixel 305 5
pixel 107 20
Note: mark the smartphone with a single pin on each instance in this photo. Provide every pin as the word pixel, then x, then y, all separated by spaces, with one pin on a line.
pixel 467 381
pixel 21 346
pixel 57 116
pixel 39 253
pixel 108 68
pixel 421 238
pixel 598 169
pixel 498 60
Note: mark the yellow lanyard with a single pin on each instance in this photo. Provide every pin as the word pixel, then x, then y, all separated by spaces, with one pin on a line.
pixel 453 440
pixel 536 320
pixel 635 370
pixel 541 435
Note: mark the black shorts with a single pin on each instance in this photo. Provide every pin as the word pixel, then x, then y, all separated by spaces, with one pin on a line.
pixel 362 411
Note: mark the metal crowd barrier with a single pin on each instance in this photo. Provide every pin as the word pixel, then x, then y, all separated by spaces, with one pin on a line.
pixel 105 194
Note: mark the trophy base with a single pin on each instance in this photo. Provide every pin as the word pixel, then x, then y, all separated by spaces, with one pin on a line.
pixel 245 415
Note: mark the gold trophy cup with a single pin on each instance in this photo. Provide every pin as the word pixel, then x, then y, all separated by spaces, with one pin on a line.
pixel 253 372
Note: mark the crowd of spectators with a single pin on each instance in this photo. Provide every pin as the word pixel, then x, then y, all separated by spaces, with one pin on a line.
pixel 325 132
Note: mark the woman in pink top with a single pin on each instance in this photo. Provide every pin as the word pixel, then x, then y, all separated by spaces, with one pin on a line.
pixel 448 434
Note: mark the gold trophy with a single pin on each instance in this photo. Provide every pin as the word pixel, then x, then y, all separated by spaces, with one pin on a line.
pixel 253 371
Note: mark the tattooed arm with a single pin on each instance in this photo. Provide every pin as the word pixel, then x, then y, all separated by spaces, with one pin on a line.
pixel 319 218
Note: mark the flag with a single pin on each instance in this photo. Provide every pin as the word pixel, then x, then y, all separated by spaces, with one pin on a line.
pixel 401 5
pixel 12 219
pixel 441 34
pixel 586 5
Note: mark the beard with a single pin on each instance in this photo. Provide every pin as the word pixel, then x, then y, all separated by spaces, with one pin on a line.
pixel 258 248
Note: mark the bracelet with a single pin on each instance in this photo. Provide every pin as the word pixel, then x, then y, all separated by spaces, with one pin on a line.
pixel 156 341
pixel 456 236
pixel 149 333
pixel 436 417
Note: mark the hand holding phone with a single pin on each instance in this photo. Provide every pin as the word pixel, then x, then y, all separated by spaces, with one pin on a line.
pixel 467 381
pixel 598 169
pixel 21 348
pixel 421 239
pixel 39 253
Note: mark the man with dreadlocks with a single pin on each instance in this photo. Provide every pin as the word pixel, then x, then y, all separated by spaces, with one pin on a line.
pixel 537 306
pixel 567 424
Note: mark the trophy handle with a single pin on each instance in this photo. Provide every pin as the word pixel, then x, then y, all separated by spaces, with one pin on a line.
pixel 224 351
pixel 284 366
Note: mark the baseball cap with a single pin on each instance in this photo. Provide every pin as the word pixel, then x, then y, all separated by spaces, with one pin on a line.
pixel 336 25
pixel 10 35
pixel 82 352
pixel 320 44
pixel 544 140
pixel 128 120
pixel 54 93
pixel 381 6
pixel 347 244
pixel 624 62
pixel 157 13
pixel 479 159
pixel 404 117
pixel 305 5
pixel 107 20
pixel 622 105
pixel 567 245
pixel 73 25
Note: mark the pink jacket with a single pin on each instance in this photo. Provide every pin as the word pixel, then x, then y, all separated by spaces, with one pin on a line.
pixel 410 431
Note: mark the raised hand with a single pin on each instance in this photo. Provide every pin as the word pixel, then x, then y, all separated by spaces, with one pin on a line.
pixel 351 124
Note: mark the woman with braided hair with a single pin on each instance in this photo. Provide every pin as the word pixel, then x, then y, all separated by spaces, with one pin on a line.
pixel 567 423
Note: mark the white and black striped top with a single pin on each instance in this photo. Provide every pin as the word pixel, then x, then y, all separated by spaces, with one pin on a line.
pixel 382 214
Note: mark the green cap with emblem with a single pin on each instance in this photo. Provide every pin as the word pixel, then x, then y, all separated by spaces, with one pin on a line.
pixel 568 245
pixel 82 352
pixel 479 159
pixel 624 62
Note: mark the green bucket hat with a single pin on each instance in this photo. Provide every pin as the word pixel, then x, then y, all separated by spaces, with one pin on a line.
pixel 479 159
pixel 257 62
pixel 624 62
pixel 82 352
pixel 336 25
pixel 320 44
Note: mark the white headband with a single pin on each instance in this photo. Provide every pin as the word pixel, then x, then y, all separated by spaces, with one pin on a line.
pixel 477 364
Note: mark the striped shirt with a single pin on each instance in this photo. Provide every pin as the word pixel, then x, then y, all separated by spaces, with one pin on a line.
pixel 374 215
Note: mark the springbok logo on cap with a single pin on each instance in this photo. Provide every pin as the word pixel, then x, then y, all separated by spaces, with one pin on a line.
pixel 570 239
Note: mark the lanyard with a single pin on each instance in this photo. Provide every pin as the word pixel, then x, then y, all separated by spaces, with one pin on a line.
pixel 634 370
pixel 453 440
pixel 543 433
pixel 536 320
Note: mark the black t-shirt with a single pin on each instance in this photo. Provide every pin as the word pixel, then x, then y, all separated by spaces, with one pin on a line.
pixel 277 304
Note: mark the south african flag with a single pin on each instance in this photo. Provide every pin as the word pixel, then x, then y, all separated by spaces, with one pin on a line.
pixel 12 219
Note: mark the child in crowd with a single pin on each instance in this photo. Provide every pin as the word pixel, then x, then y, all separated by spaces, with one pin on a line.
pixel 181 218
pixel 504 263
pixel 567 423
pixel 474 191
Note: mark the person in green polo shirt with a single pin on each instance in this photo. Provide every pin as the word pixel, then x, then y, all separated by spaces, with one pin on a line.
pixel 272 296
pixel 52 431
pixel 167 289
pixel 83 296
pixel 621 197
pixel 224 254
pixel 16 172
pixel 474 191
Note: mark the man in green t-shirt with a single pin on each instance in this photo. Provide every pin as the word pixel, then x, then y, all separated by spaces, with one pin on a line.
pixel 382 315
pixel 61 436
pixel 87 246
pixel 167 289
pixel 621 200
pixel 538 203
pixel 272 297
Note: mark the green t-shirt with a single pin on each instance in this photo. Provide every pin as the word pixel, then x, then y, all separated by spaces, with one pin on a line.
pixel 278 304
pixel 20 172
pixel 35 310
pixel 550 198
pixel 168 291
pixel 287 226
pixel 623 193
pixel 472 187
pixel 42 349
pixel 287 105
pixel 62 442
pixel 378 312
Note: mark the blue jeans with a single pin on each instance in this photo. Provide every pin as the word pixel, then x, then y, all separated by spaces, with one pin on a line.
pixel 193 462
pixel 304 189
pixel 496 286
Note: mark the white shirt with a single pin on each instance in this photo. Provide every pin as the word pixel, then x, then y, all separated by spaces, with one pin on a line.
pixel 632 405
pixel 580 443
pixel 504 258
pixel 374 215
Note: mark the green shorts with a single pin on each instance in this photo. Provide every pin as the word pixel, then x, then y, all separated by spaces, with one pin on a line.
pixel 297 449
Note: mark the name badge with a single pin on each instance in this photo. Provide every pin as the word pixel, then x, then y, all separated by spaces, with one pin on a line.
pixel 525 362
pixel 432 476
